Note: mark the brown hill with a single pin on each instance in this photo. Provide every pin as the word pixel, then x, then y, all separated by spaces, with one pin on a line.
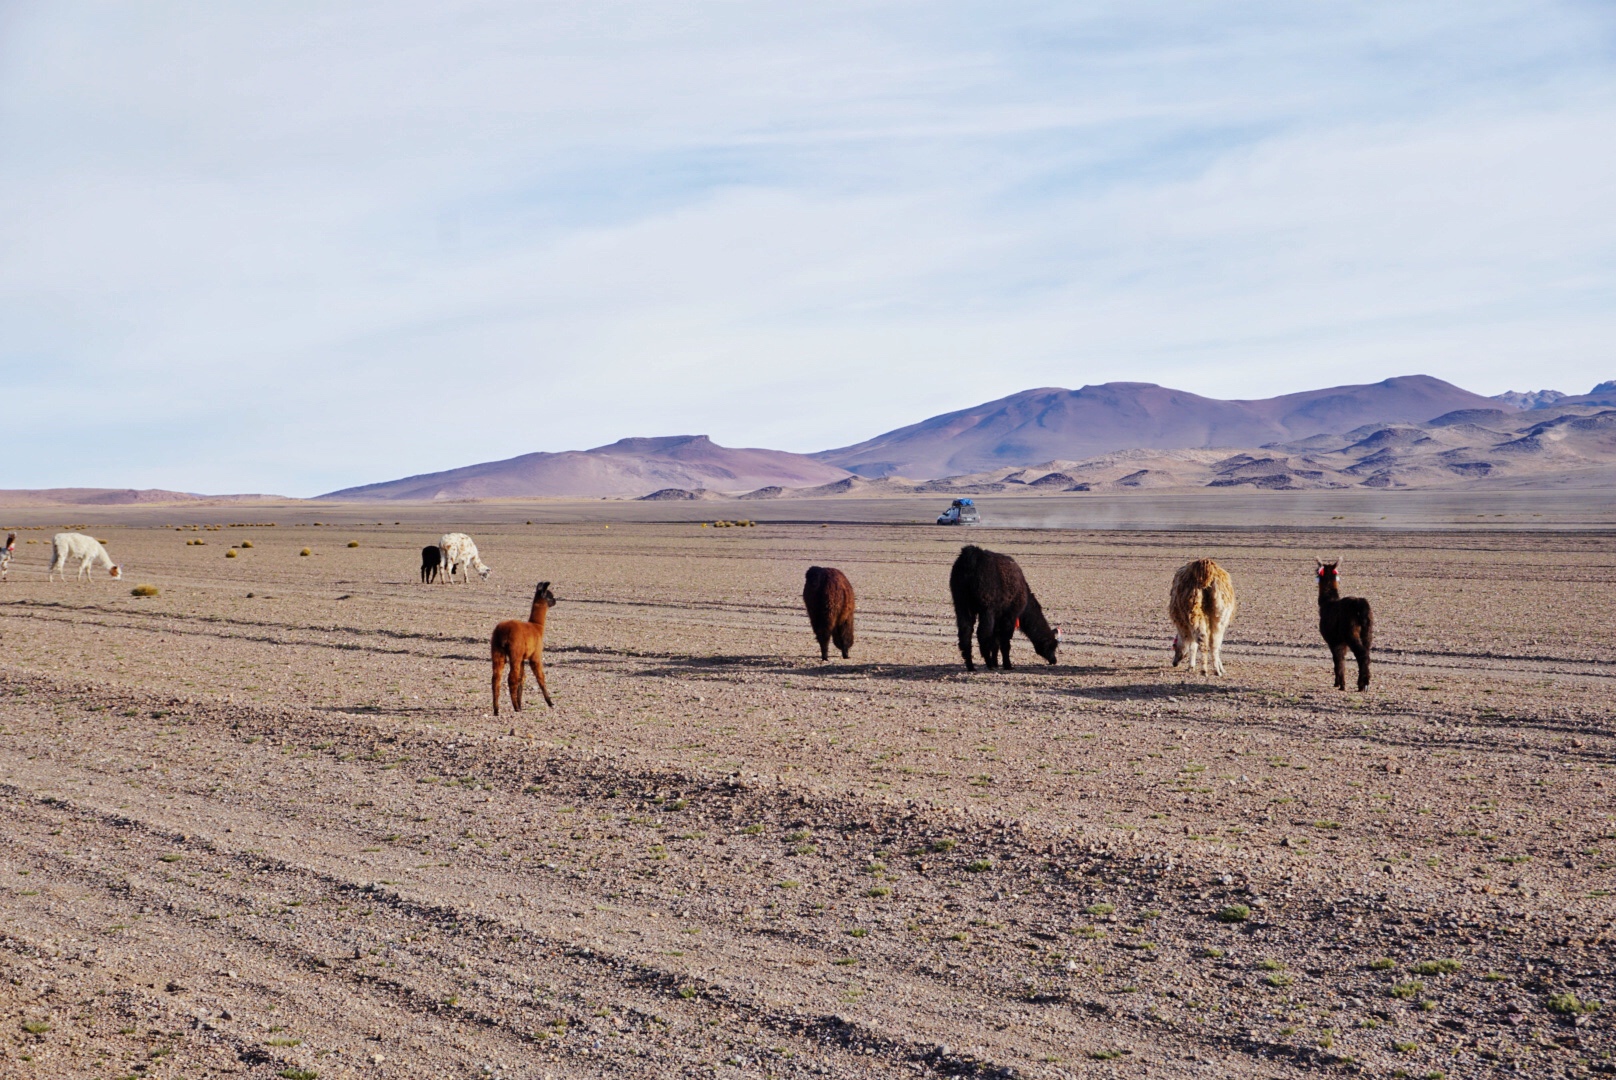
pixel 115 497
pixel 1058 424
pixel 628 467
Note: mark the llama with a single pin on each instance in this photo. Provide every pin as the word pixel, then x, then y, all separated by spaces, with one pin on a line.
pixel 431 561
pixel 88 551
pixel 6 555
pixel 1201 604
pixel 1346 623
pixel 828 596
pixel 516 643
pixel 991 592
pixel 460 553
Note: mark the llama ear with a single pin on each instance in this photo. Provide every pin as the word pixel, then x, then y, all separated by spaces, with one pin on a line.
pixel 1058 636
pixel 1319 561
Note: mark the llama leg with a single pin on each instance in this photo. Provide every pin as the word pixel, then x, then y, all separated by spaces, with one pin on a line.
pixel 515 684
pixel 844 638
pixel 1005 638
pixel 499 669
pixel 822 635
pixel 1192 647
pixel 1339 653
pixel 1217 651
pixel 538 675
pixel 988 639
pixel 1360 652
pixel 964 622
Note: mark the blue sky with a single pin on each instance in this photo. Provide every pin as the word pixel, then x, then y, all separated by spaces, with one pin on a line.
pixel 293 247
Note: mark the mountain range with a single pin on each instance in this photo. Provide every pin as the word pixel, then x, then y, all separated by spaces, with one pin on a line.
pixel 1067 430
pixel 1408 431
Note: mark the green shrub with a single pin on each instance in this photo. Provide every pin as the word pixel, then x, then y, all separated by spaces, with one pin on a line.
pixel 353 543
pixel 1100 909
pixel 1437 967
pixel 306 551
pixel 977 866
pixel 1406 990
pixel 1567 1004
pixel 144 590
pixel 1385 963
pixel 1233 913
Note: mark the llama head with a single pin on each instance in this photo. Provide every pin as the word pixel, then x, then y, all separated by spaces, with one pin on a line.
pixel 116 571
pixel 1048 653
pixel 484 571
pixel 1178 649
pixel 543 593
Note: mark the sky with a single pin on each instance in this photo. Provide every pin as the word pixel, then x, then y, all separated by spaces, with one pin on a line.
pixel 294 247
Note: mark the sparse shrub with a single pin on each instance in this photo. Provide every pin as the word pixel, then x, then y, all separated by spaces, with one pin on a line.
pixel 353 543
pixel 295 1073
pixel 231 554
pixel 1270 965
pixel 1406 990
pixel 144 590
pixel 1210 953
pixel 1233 913
pixel 753 830
pixel 246 543
pixel 1405 1047
pixel 977 866
pixel 687 992
pixel 35 1027
pixel 1385 963
pixel 940 846
pixel 798 836
pixel 1277 979
pixel 1100 909
pixel 305 551
pixel 878 891
pixel 858 931
pixel 1437 967
pixel 1567 1004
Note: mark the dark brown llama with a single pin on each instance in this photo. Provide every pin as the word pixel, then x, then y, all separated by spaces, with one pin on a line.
pixel 431 562
pixel 517 643
pixel 991 594
pixel 828 596
pixel 1346 623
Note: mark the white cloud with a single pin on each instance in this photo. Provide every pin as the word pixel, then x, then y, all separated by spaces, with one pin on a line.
pixel 279 248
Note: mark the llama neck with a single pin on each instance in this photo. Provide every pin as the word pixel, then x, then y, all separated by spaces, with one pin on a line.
pixel 536 616
pixel 1328 590
pixel 1034 625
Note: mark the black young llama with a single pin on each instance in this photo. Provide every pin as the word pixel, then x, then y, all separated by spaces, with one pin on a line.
pixel 431 563
pixel 991 594
pixel 1346 623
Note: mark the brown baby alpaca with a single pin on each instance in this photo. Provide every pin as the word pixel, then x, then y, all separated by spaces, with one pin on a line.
pixel 516 643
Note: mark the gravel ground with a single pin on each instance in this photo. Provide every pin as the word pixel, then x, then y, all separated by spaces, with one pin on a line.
pixel 264 824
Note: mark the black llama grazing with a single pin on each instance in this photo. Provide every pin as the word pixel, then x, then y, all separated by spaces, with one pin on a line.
pixel 431 559
pixel 1345 622
pixel 828 596
pixel 991 593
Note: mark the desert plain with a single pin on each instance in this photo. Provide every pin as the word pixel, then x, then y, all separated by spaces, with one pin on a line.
pixel 264 823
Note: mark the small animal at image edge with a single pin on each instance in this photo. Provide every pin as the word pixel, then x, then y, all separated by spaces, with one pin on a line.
pixel 1201 604
pixel 459 552
pixel 1346 623
pixel 88 551
pixel 828 596
pixel 431 561
pixel 991 594
pixel 6 554
pixel 517 643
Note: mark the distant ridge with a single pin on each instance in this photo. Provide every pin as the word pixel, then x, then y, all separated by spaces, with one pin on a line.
pixel 1058 424
pixel 116 497
pixel 628 468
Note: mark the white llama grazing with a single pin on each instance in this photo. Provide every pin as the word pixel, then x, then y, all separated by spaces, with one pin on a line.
pixel 460 553
pixel 88 551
